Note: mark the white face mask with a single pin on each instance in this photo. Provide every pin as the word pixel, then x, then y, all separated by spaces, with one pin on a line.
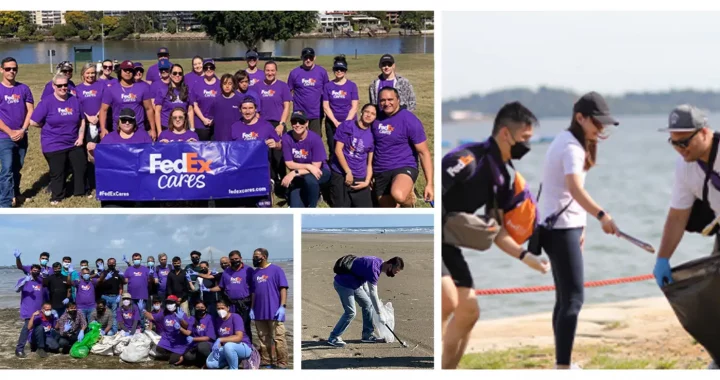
pixel 171 307
pixel 222 313
pixel 126 302
pixel 66 265
pixel 47 313
pixel 156 307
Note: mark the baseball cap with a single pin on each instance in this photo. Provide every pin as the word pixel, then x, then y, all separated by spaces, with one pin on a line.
pixel 387 58
pixel 339 65
pixel 163 51
pixel 209 62
pixel 64 65
pixel 172 298
pixel 685 118
pixel 251 54
pixel 126 296
pixel 299 116
pixel 127 65
pixel 249 99
pixel 593 104
pixel 138 65
pixel 307 52
pixel 164 65
pixel 127 113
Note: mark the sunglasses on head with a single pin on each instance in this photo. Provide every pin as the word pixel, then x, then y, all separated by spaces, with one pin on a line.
pixel 8 69
pixel 65 85
pixel 683 143
pixel 177 73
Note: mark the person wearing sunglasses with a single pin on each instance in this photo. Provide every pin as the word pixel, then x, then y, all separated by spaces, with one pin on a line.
pixel 305 158
pixel 196 75
pixel 564 205
pixel 62 138
pixel 696 188
pixel 128 94
pixel 203 97
pixel 255 76
pixel 275 101
pixel 16 107
pixel 107 70
pixel 178 129
pixel 227 108
pixel 306 83
pixel 175 95
pixel 153 72
pixel 161 85
pixel 340 101
pixel 388 78
pixel 65 68
pixel 139 72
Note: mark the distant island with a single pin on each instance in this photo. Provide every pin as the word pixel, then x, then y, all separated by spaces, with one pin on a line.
pixel 554 102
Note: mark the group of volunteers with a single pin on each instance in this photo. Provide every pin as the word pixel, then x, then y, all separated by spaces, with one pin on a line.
pixel 481 175
pixel 203 316
pixel 376 146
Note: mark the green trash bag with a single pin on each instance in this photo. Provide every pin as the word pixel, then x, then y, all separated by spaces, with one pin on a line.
pixel 82 348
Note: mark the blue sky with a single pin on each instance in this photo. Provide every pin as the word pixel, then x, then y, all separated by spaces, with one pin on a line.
pixel 365 220
pixel 609 52
pixel 92 236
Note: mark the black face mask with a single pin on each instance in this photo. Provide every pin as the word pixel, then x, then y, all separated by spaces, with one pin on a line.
pixel 519 150
pixel 72 313
pixel 177 267
pixel 257 262
pixel 203 271
pixel 195 260
pixel 111 267
pixel 236 264
pixel 224 266
pixel 199 313
pixel 100 310
pixel 390 273
pixel 35 274
pixel 57 272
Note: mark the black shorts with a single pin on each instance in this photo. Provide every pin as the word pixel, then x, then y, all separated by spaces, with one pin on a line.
pixel 343 196
pixel 383 180
pixel 444 272
pixel 454 262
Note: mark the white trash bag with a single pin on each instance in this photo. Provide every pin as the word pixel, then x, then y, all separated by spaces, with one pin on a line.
pixel 155 338
pixel 105 345
pixel 381 331
pixel 120 343
pixel 137 350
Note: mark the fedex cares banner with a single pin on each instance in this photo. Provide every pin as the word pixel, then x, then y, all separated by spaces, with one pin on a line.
pixel 181 171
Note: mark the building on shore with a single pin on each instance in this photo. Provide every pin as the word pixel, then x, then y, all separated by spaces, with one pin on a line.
pixel 333 22
pixel 49 18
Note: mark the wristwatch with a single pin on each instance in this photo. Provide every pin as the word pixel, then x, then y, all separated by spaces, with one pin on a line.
pixel 283 305
pixel 283 124
pixel 523 254
pixel 600 215
pixel 297 172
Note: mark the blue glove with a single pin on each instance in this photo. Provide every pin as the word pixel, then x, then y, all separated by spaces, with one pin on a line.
pixel 71 268
pixel 68 326
pixel 127 333
pixel 252 315
pixel 662 272
pixel 180 313
pixel 280 314
pixel 187 276
pixel 141 305
pixel 216 345
pixel 191 272
pixel 102 332
pixel 65 301
pixel 54 314
pixel 177 325
pixel 81 335
pixel 118 299
pixel 214 272
pixel 190 339
pixel 109 274
pixel 101 267
pixel 17 253
pixel 203 288
pixel 125 259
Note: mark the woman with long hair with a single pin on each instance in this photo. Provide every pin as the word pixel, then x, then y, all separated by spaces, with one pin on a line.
pixel 203 96
pixel 340 101
pixel 175 95
pixel 178 128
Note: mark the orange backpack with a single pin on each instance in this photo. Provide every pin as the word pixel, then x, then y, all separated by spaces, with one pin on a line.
pixel 521 216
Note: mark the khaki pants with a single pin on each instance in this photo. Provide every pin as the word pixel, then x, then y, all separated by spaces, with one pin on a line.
pixel 270 332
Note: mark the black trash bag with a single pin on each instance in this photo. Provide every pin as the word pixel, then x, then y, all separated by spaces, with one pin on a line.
pixel 695 297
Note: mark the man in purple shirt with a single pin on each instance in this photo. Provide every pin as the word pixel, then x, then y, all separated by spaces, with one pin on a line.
pixel 44 261
pixel 307 82
pixel 138 279
pixel 269 287
pixel 153 74
pixel 235 284
pixel 16 107
pixel 161 274
pixel 30 288
pixel 85 292
pixel 356 279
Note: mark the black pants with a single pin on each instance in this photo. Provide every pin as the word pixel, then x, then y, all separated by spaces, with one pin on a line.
pixel 165 354
pixel 563 249
pixel 66 342
pixel 315 125
pixel 198 354
pixel 205 134
pixel 58 163
pixel 277 163
pixel 342 195
pixel 43 341
pixel 242 308
pixel 330 134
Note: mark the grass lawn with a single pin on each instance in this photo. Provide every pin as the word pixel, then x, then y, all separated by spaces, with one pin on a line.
pixel 418 68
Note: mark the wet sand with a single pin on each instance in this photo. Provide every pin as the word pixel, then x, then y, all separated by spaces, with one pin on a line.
pixel 411 294
pixel 9 335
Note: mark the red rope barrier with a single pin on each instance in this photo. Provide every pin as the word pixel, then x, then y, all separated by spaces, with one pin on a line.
pixel 591 284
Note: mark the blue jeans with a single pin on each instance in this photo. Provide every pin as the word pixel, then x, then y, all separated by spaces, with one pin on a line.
pixel 22 339
pixel 113 305
pixel 305 189
pixel 44 342
pixel 142 315
pixel 12 158
pixel 230 355
pixel 347 299
pixel 86 313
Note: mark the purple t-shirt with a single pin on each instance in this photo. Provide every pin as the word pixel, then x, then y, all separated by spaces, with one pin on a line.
pixel 171 339
pixel 260 131
pixel 50 89
pixel 273 96
pixel 13 106
pixel 172 136
pixel 61 121
pixel 153 73
pixel 137 285
pixel 395 139
pixel 31 298
pixel 85 296
pixel 158 87
pixel 128 316
pixel 161 274
pixel 303 152
pixel 357 143
pixel 266 284
pixel 205 95
pixel 203 327
pixel 47 323
pixel 120 97
pixel 162 99
pixel 90 96
pixel 192 78
pixel 256 77
pixel 139 137
pixel 236 283
pixel 340 98
pixel 230 326
pixel 364 269
pixel 108 82
pixel 44 271
pixel 307 87
pixel 225 113
pixel 253 93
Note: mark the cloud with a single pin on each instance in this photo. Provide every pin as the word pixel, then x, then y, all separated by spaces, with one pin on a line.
pixel 117 243
pixel 273 230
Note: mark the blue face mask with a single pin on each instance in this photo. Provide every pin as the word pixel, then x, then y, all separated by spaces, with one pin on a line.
pixel 43 262
pixel 86 277
pixel 151 264
pixel 137 262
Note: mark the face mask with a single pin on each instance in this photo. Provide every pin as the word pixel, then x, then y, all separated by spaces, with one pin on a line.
pixel 177 267
pixel 86 277
pixel 100 310
pixel 72 313
pixel 47 313
pixel 236 264
pixel 58 272
pixel 35 274
pixel 137 262
pixel 66 265
pixel 111 267
pixel 83 267
pixel 195 261
pixel 156 307
pixel 43 262
pixel 151 264
pixel 519 150
pixel 222 313
pixel 199 313
pixel 170 307
pixel 203 271
pixel 224 266
pixel 257 262
pixel 390 273
pixel 126 302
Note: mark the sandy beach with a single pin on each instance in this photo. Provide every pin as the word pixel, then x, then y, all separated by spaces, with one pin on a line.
pixel 642 333
pixel 411 293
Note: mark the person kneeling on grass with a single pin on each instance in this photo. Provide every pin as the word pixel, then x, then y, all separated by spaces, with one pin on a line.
pixel 42 324
pixel 357 279
pixel 200 336
pixel 232 344
pixel 169 323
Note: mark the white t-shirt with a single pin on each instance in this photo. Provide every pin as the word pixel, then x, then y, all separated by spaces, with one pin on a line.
pixel 564 156
pixel 688 186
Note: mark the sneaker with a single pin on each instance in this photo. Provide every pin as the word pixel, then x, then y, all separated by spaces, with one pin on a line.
pixel 572 366
pixel 336 342
pixel 20 354
pixel 371 339
pixel 713 365
pixel 41 353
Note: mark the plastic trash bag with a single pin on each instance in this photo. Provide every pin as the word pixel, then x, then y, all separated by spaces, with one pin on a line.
pixel 253 362
pixel 104 346
pixel 82 348
pixel 121 343
pixel 381 331
pixel 138 350
pixel 693 296
pixel 155 338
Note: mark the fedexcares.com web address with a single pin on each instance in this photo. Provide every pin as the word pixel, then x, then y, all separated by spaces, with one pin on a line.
pixel 245 191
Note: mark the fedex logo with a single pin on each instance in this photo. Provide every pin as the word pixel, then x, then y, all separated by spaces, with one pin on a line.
pixel 85 287
pixel 267 93
pixel 385 129
pixel 338 94
pixel 261 279
pixel 209 93
pixel 128 98
pixel 300 153
pixel 224 331
pixel 189 170
pixel 200 328
pixel 127 314
pixel 89 94
pixel 36 288
pixel 67 111
pixel 310 82
pixel 137 274
pixel 250 136
pixel 463 162
pixel 253 81
pixel 12 99
pixel 164 272
pixel 236 280
pixel 169 322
